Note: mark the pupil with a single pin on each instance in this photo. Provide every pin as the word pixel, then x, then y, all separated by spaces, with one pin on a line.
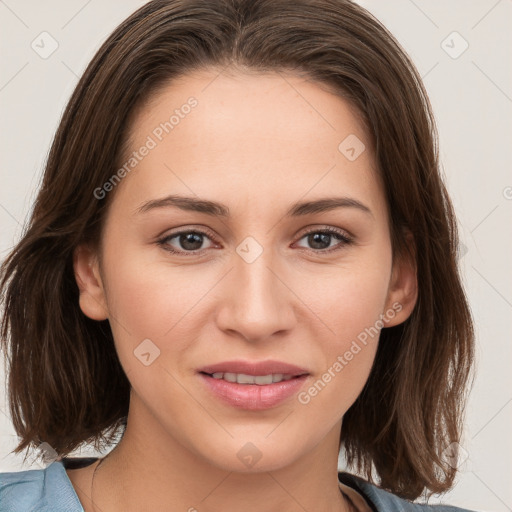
pixel 316 238
pixel 191 238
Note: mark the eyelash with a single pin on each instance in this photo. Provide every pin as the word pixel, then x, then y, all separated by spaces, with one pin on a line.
pixel 344 239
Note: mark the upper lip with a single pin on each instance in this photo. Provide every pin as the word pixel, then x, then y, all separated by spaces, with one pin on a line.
pixel 254 368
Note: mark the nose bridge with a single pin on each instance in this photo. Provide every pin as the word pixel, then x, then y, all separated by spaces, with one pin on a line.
pixel 257 302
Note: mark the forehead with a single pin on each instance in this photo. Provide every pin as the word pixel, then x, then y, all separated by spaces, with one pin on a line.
pixel 293 107
pixel 272 135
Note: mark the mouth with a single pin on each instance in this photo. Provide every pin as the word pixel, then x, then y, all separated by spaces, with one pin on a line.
pixel 259 380
pixel 253 369
pixel 253 385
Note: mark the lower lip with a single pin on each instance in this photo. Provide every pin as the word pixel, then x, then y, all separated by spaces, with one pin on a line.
pixel 252 396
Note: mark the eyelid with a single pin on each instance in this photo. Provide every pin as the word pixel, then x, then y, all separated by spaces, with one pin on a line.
pixel 197 228
pixel 330 229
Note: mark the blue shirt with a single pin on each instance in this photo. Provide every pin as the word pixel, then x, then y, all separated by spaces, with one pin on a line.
pixel 50 490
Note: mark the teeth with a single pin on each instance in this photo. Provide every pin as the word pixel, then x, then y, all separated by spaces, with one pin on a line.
pixel 260 380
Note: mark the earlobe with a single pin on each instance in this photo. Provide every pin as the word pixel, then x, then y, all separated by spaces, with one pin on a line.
pixel 92 297
pixel 403 289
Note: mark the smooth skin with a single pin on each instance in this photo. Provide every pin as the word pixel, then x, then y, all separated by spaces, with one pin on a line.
pixel 256 143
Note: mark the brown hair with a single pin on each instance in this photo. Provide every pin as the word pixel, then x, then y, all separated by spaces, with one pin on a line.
pixel 66 385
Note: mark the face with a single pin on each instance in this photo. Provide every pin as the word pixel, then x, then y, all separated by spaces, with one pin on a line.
pixel 195 291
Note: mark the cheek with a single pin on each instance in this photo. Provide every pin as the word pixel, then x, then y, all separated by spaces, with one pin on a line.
pixel 350 300
pixel 347 353
pixel 150 297
pixel 349 314
pixel 156 301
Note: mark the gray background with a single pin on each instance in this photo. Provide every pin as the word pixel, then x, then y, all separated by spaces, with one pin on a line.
pixel 471 93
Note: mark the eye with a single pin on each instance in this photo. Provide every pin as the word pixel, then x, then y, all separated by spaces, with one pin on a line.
pixel 190 241
pixel 320 239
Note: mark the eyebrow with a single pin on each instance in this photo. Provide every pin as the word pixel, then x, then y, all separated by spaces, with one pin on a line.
pixel 213 208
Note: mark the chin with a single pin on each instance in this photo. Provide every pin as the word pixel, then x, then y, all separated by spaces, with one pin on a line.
pixel 256 456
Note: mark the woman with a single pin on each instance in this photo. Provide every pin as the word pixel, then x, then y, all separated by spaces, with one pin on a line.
pixel 318 307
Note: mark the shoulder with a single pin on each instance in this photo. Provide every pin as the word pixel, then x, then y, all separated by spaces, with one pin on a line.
pixel 38 490
pixel 383 501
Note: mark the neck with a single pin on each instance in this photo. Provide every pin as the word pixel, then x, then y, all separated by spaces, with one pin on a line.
pixel 155 472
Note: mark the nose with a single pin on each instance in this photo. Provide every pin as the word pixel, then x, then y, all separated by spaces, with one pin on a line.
pixel 256 300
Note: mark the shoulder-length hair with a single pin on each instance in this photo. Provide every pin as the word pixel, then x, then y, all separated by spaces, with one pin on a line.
pixel 66 386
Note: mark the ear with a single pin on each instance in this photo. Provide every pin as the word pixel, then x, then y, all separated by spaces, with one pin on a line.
pixel 92 295
pixel 403 286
